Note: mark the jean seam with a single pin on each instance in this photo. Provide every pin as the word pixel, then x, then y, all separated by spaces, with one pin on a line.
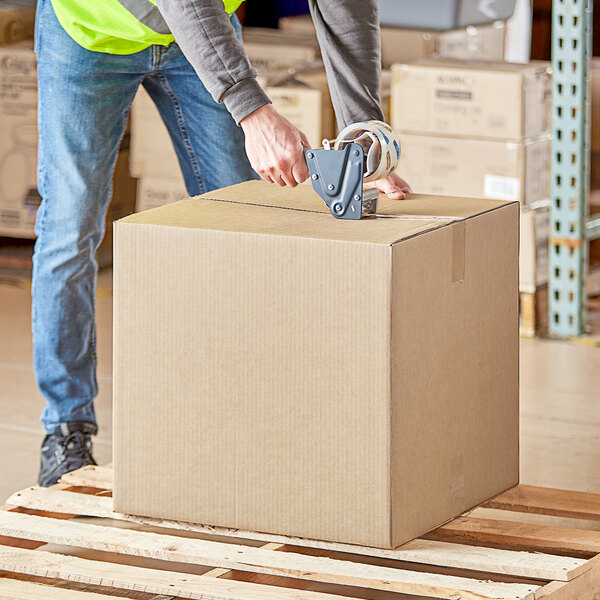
pixel 183 131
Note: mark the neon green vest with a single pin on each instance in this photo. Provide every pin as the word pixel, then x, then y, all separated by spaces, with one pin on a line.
pixel 117 26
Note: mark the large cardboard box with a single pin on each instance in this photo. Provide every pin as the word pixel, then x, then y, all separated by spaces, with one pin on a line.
pixel 16 20
pixel 278 370
pixel 477 168
pixel 18 140
pixel 533 247
pixel 477 100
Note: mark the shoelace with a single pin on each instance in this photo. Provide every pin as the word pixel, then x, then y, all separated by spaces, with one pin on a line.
pixel 75 449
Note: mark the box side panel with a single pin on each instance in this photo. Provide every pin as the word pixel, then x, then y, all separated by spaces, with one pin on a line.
pixel 251 381
pixel 454 370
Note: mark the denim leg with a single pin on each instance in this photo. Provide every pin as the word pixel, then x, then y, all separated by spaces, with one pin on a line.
pixel 209 145
pixel 84 101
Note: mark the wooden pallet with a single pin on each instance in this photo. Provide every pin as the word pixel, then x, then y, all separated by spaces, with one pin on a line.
pixel 46 551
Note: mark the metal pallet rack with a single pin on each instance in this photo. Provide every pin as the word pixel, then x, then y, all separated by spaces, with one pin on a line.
pixel 571 229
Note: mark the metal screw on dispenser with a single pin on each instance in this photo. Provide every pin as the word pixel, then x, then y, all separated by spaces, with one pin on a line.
pixel 310 155
pixel 338 207
pixel 331 187
pixel 315 176
pixel 357 197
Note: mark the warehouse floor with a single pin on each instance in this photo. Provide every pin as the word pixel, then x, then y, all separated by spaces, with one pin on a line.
pixel 560 401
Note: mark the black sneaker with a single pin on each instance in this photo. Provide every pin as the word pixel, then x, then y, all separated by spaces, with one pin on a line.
pixel 65 450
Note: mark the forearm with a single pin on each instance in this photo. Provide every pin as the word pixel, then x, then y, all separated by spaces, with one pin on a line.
pixel 348 34
pixel 204 32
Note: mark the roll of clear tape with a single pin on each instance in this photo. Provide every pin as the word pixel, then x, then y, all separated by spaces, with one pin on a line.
pixel 380 144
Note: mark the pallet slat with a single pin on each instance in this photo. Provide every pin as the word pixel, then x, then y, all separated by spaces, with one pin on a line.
pixel 439 553
pixel 257 560
pixel 543 538
pixel 14 589
pixel 70 568
pixel 547 501
pixel 91 475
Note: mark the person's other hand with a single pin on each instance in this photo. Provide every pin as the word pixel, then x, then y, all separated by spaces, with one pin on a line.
pixel 275 147
pixel 393 186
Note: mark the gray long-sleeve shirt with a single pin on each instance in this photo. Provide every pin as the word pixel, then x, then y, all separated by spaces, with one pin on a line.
pixel 348 34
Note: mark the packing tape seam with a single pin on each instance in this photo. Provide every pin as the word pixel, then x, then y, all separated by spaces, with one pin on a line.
pixel 446 220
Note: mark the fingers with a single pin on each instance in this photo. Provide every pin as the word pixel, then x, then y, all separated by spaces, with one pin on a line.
pixel 304 140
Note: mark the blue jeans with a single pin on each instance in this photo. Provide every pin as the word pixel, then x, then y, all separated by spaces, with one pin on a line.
pixel 84 102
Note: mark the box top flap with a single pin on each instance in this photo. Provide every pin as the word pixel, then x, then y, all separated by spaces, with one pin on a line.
pixel 263 208
pixel 498 67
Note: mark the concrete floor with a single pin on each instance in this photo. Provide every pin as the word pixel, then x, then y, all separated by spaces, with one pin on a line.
pixel 560 402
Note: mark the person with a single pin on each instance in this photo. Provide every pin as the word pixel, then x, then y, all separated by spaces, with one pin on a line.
pixel 92 57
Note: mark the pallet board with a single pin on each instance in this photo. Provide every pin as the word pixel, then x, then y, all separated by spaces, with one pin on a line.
pixel 469 558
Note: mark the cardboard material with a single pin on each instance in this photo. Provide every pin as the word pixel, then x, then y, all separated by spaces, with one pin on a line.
pixel 19 198
pixel 304 100
pixel 477 100
pixel 269 49
pixel 354 381
pixel 484 42
pixel 533 252
pixel 16 20
pixel 477 168
pixel 158 191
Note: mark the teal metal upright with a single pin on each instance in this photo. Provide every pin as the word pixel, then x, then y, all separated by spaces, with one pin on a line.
pixel 571 51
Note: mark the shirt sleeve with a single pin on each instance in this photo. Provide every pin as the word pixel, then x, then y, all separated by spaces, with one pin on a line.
pixel 207 38
pixel 348 34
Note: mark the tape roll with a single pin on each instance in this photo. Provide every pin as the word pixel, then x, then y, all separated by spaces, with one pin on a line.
pixel 380 143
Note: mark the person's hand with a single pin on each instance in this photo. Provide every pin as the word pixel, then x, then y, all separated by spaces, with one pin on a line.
pixel 393 186
pixel 275 147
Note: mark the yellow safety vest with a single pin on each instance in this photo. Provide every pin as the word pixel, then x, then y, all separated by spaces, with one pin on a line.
pixel 117 26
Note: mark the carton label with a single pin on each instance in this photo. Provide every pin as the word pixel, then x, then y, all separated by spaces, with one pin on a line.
pixel 501 188
pixel 454 95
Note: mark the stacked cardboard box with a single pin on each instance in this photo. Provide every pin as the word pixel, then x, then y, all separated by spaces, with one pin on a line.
pixel 477 129
pixel 19 198
pixel 270 49
pixel 369 424
pixel 484 42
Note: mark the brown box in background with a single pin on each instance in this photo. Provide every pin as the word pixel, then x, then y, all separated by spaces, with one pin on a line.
pixel 485 42
pixel 158 191
pixel 270 49
pixel 533 247
pixel 17 19
pixel 152 152
pixel 477 100
pixel 304 100
pixel 312 378
pixel 19 198
pixel 477 168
